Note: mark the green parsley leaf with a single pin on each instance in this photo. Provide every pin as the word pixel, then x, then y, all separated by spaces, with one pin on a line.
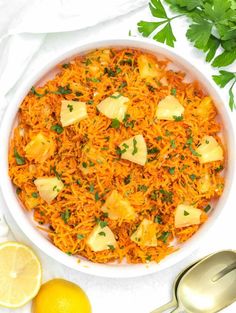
pixel 35 195
pixel 122 85
pixel 173 91
pixel 142 188
pixel 158 219
pixel 115 123
pixel 172 170
pixel 127 179
pixel 148 258
pixel 18 190
pixel 164 236
pixel 178 118
pixel 96 196
pixel 207 208
pixel 153 150
pixel 80 236
pixel 84 164
pixel 200 33
pixel 192 177
pixel 65 216
pixel 57 128
pixel 70 107
pixel 172 143
pixel 63 90
pixel 103 224
pixel 102 233
pixel 54 170
pixel 19 159
pixel 91 188
pixel 111 247
pixel 135 150
pixel 224 78
pixel 95 80
pixel 224 59
pixel 186 213
pixel 34 92
pixel 66 65
pixel 116 97
pixel 166 36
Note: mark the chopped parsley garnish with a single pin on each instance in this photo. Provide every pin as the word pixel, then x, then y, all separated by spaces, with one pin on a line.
pixel 128 123
pixel 19 159
pixel 184 167
pixel 186 213
pixel 195 153
pixel 69 253
pixel 173 91
pixel 127 179
pixel 172 143
pixel 109 72
pixel 78 93
pixel 96 196
pixel 102 224
pixel 164 236
pixel 122 85
pixel 107 138
pixel 54 170
pixel 172 170
pixel 135 150
pixel 70 107
pixel 90 102
pixel 80 236
pixel 102 233
pixel 35 195
pixel 158 138
pixel 178 118
pixel 88 62
pixel 167 133
pixel 91 163
pixel 65 216
pixel 219 169
pixel 84 164
pixel 154 195
pixel 111 247
pixel 167 196
pixel 57 128
pixel 207 208
pixel 18 190
pixel 158 219
pixel 115 123
pixel 34 92
pixel 66 65
pixel 142 188
pixel 148 258
pixel 91 188
pixel 153 150
pixel 192 177
pixel 126 61
pixel 63 90
pixel 95 80
pixel 78 182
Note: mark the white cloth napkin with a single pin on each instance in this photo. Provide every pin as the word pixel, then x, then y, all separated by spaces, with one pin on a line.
pixel 23 25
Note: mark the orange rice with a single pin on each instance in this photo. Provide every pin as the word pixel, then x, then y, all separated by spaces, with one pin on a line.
pixel 91 78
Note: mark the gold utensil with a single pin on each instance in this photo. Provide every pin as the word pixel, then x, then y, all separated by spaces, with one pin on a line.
pixel 206 287
pixel 173 303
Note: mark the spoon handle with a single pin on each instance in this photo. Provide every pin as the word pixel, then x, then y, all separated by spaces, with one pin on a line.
pixel 165 307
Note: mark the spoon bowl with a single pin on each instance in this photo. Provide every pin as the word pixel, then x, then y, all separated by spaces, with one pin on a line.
pixel 210 285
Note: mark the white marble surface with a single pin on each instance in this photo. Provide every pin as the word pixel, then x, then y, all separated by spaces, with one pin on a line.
pixel 136 295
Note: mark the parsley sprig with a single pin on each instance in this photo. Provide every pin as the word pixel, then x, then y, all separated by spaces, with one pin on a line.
pixel 212 29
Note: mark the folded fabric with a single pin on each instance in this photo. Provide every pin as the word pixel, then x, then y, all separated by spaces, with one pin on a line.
pixel 23 25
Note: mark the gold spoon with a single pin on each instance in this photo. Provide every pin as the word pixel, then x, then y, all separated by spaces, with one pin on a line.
pixel 208 286
pixel 173 303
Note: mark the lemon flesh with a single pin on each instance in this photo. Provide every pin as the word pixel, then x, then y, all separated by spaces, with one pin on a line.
pixel 20 274
pixel 61 296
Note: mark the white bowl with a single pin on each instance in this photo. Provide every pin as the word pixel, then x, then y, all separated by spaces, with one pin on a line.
pixel 24 220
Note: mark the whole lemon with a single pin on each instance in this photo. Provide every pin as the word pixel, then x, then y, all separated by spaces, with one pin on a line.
pixel 61 296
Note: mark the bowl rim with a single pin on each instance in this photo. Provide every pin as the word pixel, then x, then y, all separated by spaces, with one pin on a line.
pixel 13 205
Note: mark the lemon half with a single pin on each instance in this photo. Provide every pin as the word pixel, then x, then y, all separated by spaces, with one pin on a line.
pixel 20 274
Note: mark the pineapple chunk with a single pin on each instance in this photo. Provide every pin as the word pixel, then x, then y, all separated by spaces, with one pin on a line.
pixel 48 187
pixel 114 106
pixel 101 238
pixel 205 183
pixel 72 112
pixel 39 148
pixel 104 57
pixel 145 235
pixel 134 150
pixel 205 108
pixel 118 208
pixel 31 202
pixel 147 67
pixel 209 150
pixel 169 108
pixel 186 215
